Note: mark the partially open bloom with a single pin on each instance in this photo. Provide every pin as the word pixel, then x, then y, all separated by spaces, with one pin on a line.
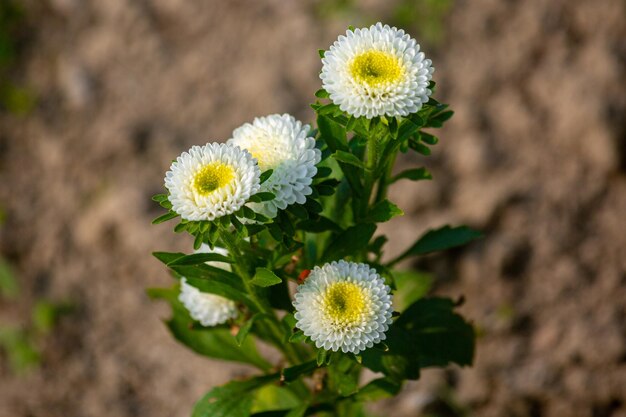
pixel 211 181
pixel 376 71
pixel 283 144
pixel 208 309
pixel 343 305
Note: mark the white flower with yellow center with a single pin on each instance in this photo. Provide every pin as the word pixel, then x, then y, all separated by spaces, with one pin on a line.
pixel 208 309
pixel 377 71
pixel 211 181
pixel 283 144
pixel 343 305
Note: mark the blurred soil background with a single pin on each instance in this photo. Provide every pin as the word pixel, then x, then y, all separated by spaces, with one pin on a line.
pixel 97 96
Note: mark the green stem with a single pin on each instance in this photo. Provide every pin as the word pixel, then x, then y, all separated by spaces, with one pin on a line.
pixel 383 183
pixel 293 355
pixel 370 170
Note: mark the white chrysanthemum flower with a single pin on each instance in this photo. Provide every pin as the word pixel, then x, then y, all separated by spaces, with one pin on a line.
pixel 208 309
pixel 211 181
pixel 283 144
pixel 377 71
pixel 344 305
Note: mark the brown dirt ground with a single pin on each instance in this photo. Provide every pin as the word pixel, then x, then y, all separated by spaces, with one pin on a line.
pixel 535 157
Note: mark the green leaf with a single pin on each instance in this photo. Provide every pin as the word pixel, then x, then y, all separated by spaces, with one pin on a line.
pixel 325 190
pixel 261 197
pixel 272 397
pixel 215 342
pixel 377 244
pixel 265 278
pixel 378 389
pixel 429 333
pixel 322 355
pixel 159 198
pixel 265 175
pixel 284 221
pixel 234 399
pixel 200 258
pixel 167 257
pixel 383 211
pixel 239 227
pixel 393 127
pixel 319 225
pixel 328 109
pixel 323 172
pixel 332 133
pixel 208 272
pixel 343 375
pixel 299 411
pixel 406 130
pixel 278 297
pixel 428 138
pixel 293 373
pixel 321 52
pixel 440 336
pixel 298 337
pixel 254 229
pixel 247 213
pixel 261 218
pixel 350 242
pixel 348 158
pixel 181 227
pixel 439 119
pixel 321 93
pixel 197 242
pixel 167 216
pixel 245 329
pixel 298 210
pixel 352 121
pixel 440 239
pixel 411 285
pixel 223 289
pixel 313 206
pixel 275 231
pixel 415 174
pixel 419 148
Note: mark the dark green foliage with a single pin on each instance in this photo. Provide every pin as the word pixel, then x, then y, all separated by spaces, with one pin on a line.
pixel 383 211
pixel 414 174
pixel 429 333
pixel 440 239
pixel 231 400
pixel 265 278
pixel 352 240
pixel 215 342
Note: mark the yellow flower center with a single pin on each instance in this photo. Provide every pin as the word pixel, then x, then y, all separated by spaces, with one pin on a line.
pixel 345 303
pixel 211 177
pixel 375 68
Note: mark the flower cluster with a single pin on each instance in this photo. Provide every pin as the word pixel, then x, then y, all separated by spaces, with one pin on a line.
pixel 284 216
pixel 369 72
